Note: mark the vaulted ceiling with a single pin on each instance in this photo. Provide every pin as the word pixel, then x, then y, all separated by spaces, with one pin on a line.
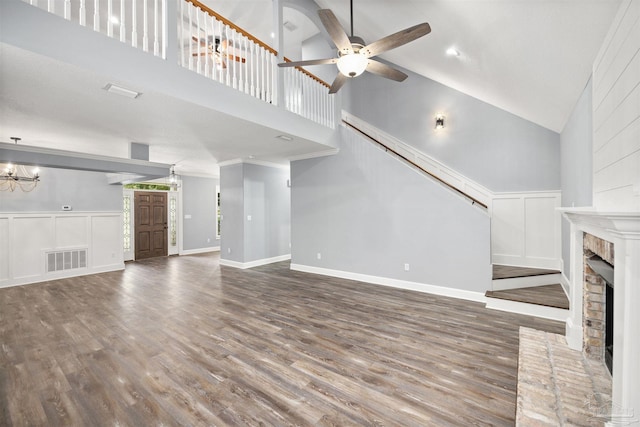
pixel 529 57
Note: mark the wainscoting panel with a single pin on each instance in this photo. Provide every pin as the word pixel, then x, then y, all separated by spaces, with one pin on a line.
pixel 4 250
pixel 106 236
pixel 30 235
pixel 525 229
pixel 28 239
pixel 71 231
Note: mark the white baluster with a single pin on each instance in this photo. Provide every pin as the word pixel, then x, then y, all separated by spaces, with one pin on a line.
pixel 134 24
pixel 198 43
pixel 234 36
pixel 109 19
pixel 123 30
pixel 165 23
pixel 190 35
pixel 51 6
pixel 67 9
pixel 183 60
pixel 247 42
pixel 82 13
pixel 156 44
pixel 251 68
pixel 214 66
pixel 207 66
pixel 145 27
pixel 227 31
pixel 240 54
pixel 96 15
pixel 221 70
pixel 34 3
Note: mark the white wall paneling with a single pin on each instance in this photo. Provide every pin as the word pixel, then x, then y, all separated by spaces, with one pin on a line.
pixel 4 250
pixel 525 229
pixel 26 238
pixel 616 114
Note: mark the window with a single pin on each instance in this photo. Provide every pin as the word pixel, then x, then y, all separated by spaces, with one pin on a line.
pixel 126 221
pixel 172 220
pixel 218 214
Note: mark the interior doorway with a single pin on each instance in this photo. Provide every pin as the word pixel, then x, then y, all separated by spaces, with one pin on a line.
pixel 150 227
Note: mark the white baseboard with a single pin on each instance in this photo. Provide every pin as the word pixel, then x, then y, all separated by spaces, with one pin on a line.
pixel 200 250
pixel 62 275
pixel 256 263
pixel 394 283
pixel 525 282
pixel 552 313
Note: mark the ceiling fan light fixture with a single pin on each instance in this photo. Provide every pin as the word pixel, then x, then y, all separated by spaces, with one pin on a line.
pixel 352 65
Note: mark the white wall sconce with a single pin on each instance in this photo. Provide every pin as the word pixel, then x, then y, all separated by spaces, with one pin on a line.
pixel 439 121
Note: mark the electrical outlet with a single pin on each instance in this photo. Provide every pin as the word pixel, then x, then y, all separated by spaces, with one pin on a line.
pixel 319 255
pixel 228 250
pixel 406 267
pixel 208 240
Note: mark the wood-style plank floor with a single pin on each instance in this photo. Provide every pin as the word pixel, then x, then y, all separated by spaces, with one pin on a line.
pixel 547 295
pixel 183 341
pixel 509 271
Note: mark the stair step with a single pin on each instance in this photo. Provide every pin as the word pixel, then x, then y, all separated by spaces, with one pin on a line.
pixel 510 271
pixel 548 301
pixel 547 295
pixel 510 277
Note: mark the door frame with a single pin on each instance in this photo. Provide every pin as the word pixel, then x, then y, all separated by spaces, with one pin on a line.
pixel 129 255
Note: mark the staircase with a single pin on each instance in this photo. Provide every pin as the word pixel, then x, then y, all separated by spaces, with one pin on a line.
pixel 530 291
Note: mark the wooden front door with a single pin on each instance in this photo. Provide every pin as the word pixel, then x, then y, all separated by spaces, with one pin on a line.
pixel 151 224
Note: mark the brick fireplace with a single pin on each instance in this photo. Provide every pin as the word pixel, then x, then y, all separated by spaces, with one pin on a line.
pixel 597 297
pixel 614 237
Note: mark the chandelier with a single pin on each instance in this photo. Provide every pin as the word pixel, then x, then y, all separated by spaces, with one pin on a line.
pixel 17 176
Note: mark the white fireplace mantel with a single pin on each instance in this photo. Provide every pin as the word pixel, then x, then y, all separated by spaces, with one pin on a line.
pixel 623 230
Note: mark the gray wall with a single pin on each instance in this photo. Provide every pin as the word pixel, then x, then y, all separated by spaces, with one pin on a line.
pixel 491 146
pixel 199 201
pixel 576 144
pixel 317 47
pixel 368 213
pixel 267 199
pixel 82 190
pixel 232 208
pixel 259 192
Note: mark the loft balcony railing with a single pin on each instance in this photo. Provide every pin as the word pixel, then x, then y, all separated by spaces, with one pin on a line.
pixel 207 44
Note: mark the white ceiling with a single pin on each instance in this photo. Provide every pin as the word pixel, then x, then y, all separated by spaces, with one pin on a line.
pixel 529 57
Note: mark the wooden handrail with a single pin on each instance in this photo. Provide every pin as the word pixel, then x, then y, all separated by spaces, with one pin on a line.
pixel 256 40
pixel 412 163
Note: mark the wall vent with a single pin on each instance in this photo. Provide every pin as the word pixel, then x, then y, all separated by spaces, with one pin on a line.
pixel 66 260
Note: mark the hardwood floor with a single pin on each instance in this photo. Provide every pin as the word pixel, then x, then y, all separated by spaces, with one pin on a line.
pixel 183 341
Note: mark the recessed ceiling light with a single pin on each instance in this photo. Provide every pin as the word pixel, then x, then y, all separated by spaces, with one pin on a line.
pixel 285 137
pixel 118 90
pixel 452 51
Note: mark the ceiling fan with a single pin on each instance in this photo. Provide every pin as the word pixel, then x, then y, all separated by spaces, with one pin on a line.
pixel 354 57
pixel 219 50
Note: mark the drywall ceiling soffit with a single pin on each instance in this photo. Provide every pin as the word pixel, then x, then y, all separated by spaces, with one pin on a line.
pixel 529 57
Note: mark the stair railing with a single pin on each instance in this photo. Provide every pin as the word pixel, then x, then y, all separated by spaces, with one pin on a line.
pixel 480 197
pixel 215 47
pixel 139 23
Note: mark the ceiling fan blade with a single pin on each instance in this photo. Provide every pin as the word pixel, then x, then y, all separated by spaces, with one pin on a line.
pixel 395 40
pixel 335 31
pixel 386 71
pixel 340 80
pixel 308 62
